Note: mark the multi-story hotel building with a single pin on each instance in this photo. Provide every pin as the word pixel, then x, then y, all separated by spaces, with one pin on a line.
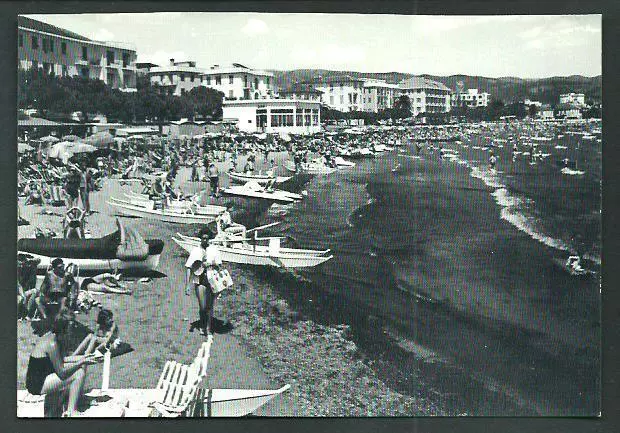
pixel 578 99
pixel 67 54
pixel 175 78
pixel 235 82
pixel 426 96
pixel 378 95
pixel 473 98
pixel 342 93
pixel 300 91
pixel 239 82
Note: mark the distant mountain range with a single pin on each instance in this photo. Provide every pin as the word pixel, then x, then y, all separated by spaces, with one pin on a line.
pixel 506 89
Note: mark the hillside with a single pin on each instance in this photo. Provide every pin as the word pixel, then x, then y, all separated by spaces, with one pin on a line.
pixel 507 89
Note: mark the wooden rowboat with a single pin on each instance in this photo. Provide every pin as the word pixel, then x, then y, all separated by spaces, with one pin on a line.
pixel 92 255
pixel 171 215
pixel 260 255
pixel 262 179
pixel 254 190
pixel 174 205
pixel 136 402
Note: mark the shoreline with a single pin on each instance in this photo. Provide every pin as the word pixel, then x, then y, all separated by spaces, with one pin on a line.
pixel 157 315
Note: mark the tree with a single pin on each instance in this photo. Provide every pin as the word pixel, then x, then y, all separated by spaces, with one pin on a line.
pixel 402 107
pixel 494 110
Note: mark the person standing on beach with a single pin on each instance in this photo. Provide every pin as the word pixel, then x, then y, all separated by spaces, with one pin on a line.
pixel 492 161
pixel 72 187
pixel 214 179
pixel 86 186
pixel 202 257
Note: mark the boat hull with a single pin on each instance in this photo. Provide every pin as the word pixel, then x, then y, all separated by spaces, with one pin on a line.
pixel 143 200
pixel 260 256
pixel 277 197
pixel 261 180
pixel 129 209
pixel 100 265
pixel 130 403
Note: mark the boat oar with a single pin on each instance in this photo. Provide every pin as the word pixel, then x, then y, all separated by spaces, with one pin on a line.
pixel 263 227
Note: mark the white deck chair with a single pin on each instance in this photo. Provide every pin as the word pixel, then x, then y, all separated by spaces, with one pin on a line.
pixel 180 383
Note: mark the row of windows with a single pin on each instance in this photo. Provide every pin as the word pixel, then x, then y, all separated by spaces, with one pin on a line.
pixel 48 46
pixel 218 80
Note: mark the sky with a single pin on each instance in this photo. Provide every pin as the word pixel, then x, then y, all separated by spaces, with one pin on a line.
pixel 525 46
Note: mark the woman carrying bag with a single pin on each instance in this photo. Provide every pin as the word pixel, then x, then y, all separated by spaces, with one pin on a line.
pixel 204 273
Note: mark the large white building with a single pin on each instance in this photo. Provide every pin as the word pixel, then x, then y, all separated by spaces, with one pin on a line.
pixel 301 91
pixel 239 82
pixel 379 95
pixel 426 96
pixel 274 115
pixel 578 99
pixel 176 78
pixel 235 82
pixel 473 98
pixel 66 54
pixel 342 93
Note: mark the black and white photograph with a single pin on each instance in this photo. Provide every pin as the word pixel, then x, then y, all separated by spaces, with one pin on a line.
pixel 244 214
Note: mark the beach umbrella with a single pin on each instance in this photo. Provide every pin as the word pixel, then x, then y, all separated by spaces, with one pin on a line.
pixel 49 139
pixel 82 148
pixel 71 138
pixel 23 148
pixel 66 149
pixel 100 139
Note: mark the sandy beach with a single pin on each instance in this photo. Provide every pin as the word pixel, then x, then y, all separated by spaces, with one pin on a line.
pixel 270 345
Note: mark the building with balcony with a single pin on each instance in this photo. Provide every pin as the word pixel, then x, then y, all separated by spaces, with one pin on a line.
pixel 176 78
pixel 239 82
pixel 472 99
pixel 274 115
pixel 342 93
pixel 528 103
pixel 546 112
pixel 66 54
pixel 142 68
pixel 578 99
pixel 378 95
pixel 567 111
pixel 300 91
pixel 426 96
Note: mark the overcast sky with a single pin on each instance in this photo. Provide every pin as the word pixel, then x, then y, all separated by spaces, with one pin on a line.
pixel 491 46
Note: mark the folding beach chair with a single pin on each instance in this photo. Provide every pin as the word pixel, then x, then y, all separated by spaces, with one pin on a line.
pixel 180 383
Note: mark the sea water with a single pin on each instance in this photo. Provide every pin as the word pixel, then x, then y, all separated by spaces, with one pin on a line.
pixel 449 273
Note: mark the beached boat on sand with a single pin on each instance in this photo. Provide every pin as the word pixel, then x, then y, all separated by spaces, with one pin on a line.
pixel 362 153
pixel 262 179
pixel 260 255
pixel 171 215
pixel 96 255
pixel 217 402
pixel 253 190
pixel 312 167
pixel 342 163
pixel 174 204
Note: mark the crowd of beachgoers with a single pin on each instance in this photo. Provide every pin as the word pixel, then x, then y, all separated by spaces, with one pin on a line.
pixel 51 179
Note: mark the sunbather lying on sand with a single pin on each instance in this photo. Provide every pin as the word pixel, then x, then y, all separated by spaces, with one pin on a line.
pixel 105 283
